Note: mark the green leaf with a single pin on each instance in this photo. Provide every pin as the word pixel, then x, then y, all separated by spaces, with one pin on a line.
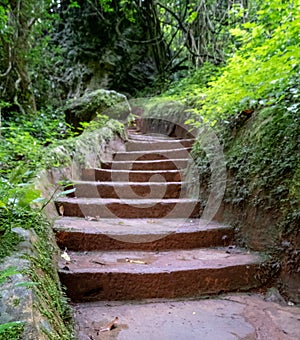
pixel 2 204
pixel 66 192
pixel 26 284
pixel 192 17
pixel 8 326
pixel 74 4
pixel 4 274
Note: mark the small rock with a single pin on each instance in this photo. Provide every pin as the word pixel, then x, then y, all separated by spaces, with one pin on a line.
pixel 273 295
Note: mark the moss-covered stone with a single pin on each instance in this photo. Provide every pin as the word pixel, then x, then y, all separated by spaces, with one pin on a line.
pixel 26 307
pixel 91 104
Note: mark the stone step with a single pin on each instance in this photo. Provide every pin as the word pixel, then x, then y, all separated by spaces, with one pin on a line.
pixel 150 155
pixel 129 208
pixel 132 275
pixel 133 145
pixel 150 137
pixel 80 234
pixel 131 176
pixel 133 190
pixel 168 164
pixel 234 316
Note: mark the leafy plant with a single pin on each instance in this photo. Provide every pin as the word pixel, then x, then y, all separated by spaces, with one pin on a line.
pixel 4 274
pixel 11 330
pixel 260 72
pixel 17 191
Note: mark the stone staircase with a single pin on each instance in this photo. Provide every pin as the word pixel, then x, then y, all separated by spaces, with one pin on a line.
pixel 132 231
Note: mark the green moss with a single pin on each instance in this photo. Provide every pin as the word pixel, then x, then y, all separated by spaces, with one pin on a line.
pixel 263 156
pixel 87 107
pixel 76 149
pixel 51 300
pixel 8 243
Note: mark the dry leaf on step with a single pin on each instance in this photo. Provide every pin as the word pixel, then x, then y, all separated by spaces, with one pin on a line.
pixel 92 218
pixel 66 256
pixel 61 210
pixel 110 326
pixel 136 261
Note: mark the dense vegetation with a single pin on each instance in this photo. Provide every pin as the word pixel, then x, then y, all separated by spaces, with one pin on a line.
pixel 235 63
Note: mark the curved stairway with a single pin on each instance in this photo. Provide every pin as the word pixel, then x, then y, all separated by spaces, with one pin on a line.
pixel 132 231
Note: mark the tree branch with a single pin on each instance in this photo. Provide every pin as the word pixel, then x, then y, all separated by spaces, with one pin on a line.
pixel 174 15
pixel 9 63
pixel 17 83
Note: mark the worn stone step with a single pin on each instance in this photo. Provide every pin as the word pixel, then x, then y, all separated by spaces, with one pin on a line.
pixel 129 208
pixel 231 317
pixel 131 176
pixel 150 137
pixel 132 275
pixel 133 145
pixel 80 234
pixel 168 164
pixel 149 155
pixel 132 190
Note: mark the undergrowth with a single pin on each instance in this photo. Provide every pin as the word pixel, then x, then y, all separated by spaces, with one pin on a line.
pixel 11 330
pixel 28 146
pixel 51 300
pixel 252 103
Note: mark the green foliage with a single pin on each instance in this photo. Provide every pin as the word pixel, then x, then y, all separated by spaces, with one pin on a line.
pixel 23 27
pixel 8 239
pixel 73 4
pixel 52 302
pixel 18 146
pixel 17 193
pixel 191 89
pixel 106 5
pixel 4 274
pixel 24 138
pixel 11 330
pixel 3 19
pixel 264 158
pixel 263 69
pixel 253 104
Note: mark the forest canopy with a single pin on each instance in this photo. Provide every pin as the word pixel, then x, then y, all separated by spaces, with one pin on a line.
pixel 60 49
pixel 219 57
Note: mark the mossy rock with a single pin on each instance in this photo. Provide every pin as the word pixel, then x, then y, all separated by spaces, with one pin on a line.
pixel 91 104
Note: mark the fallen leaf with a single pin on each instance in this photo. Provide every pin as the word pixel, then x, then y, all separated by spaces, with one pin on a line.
pixel 92 218
pixel 66 256
pixel 61 210
pixel 120 222
pixel 110 326
pixel 150 221
pixel 135 261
